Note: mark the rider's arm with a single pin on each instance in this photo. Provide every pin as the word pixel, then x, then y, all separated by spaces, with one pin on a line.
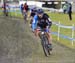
pixel 47 17
pixel 48 20
pixel 30 12
pixel 34 23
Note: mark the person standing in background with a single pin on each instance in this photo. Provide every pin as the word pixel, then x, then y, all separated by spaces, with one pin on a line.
pixel 65 7
pixel 22 8
pixel 5 8
pixel 70 11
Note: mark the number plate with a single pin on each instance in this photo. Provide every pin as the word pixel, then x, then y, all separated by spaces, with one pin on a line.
pixel 42 32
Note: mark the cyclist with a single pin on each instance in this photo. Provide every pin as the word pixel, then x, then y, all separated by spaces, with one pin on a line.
pixel 25 11
pixel 26 8
pixel 5 8
pixel 42 20
pixel 32 14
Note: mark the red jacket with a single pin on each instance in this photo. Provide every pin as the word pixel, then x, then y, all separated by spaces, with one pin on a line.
pixel 26 7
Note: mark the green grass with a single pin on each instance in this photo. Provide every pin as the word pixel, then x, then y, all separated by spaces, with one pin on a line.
pixel 19 45
pixel 56 17
pixel 64 42
pixel 14 14
pixel 64 19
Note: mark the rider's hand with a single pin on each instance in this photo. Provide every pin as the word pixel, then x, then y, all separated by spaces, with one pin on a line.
pixel 47 27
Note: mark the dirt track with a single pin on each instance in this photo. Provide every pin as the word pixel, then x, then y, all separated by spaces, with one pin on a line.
pixel 19 45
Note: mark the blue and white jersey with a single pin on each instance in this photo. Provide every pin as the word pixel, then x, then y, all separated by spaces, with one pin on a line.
pixel 34 23
pixel 41 22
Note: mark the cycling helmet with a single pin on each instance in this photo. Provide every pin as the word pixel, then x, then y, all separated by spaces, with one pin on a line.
pixel 25 3
pixel 33 8
pixel 40 11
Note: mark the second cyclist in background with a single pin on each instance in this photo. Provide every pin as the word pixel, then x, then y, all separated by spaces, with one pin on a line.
pixel 26 8
pixel 33 12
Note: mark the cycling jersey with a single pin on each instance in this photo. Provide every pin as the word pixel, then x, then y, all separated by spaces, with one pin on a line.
pixel 41 22
pixel 26 8
pixel 33 12
pixel 34 23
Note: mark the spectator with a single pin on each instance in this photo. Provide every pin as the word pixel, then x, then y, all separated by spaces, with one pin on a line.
pixel 70 11
pixel 65 7
pixel 5 8
pixel 22 8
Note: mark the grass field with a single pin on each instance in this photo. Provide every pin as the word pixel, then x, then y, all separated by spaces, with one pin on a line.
pixel 56 17
pixel 19 45
pixel 64 19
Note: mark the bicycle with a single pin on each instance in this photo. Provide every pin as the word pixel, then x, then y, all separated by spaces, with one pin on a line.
pixel 25 16
pixel 44 43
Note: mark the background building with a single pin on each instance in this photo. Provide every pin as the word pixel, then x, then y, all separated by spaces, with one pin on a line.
pixel 59 4
pixel 47 3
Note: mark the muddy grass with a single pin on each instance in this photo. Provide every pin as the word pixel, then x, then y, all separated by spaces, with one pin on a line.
pixel 19 45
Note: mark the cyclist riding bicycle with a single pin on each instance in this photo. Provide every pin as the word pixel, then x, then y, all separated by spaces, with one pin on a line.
pixel 41 20
pixel 26 8
pixel 25 12
pixel 33 12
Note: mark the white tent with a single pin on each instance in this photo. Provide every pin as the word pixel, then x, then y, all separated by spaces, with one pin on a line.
pixel 38 4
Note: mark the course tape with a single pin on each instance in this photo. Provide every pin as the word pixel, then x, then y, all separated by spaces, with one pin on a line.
pixel 63 26
pixel 12 7
pixel 63 36
pixel 19 12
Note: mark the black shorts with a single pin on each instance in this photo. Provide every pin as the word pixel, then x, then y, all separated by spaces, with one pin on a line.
pixel 32 14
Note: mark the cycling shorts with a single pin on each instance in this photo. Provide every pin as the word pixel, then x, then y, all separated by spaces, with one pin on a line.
pixel 45 30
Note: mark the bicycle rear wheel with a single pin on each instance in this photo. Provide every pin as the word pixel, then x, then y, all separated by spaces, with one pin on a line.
pixel 25 17
pixel 44 43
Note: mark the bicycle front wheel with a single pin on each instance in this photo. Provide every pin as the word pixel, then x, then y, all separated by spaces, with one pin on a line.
pixel 45 45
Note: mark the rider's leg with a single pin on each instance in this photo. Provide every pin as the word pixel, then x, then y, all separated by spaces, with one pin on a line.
pixel 27 15
pixel 37 32
pixel 49 37
pixel 31 19
pixel 49 40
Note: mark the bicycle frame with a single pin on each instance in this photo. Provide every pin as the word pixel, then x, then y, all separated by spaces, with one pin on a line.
pixel 44 42
pixel 25 16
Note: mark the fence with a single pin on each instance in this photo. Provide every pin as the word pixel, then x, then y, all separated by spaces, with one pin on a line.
pixel 68 27
pixel 12 9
